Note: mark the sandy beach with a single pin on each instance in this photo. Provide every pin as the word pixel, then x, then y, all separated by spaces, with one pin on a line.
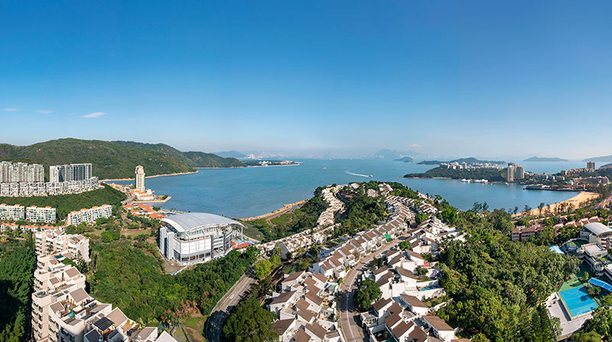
pixel 278 212
pixel 575 202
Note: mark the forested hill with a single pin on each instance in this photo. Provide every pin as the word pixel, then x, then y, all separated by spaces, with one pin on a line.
pixel 114 159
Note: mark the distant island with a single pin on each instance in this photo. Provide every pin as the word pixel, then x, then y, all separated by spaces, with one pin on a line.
pixel 484 173
pixel 469 161
pixel 545 159
pixel 405 159
pixel 115 159
pixel 602 159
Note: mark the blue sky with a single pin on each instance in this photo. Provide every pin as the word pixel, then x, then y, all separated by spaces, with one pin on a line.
pixel 443 78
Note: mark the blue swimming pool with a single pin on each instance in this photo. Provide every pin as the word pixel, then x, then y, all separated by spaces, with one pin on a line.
pixel 578 301
pixel 556 249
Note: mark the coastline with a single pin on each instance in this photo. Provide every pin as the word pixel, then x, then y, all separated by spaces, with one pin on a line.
pixel 152 176
pixel 194 172
pixel 277 212
pixel 574 202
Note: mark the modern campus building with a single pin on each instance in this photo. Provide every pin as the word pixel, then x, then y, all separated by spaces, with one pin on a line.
pixel 597 232
pixel 21 172
pixel 70 172
pixel 196 237
pixel 89 215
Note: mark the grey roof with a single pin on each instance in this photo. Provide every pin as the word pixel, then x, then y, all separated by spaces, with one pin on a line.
pixel 598 228
pixel 191 221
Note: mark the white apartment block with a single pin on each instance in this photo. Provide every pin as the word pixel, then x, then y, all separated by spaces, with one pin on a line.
pixel 11 212
pixel 37 189
pixel 89 215
pixel 41 214
pixel 73 246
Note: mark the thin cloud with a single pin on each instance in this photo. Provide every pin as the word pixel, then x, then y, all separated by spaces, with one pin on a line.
pixel 11 109
pixel 44 111
pixel 414 145
pixel 94 115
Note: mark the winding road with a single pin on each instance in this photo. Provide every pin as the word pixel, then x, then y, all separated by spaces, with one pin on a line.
pixel 214 324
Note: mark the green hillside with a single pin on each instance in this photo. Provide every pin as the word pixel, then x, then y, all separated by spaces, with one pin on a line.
pixel 201 159
pixel 114 159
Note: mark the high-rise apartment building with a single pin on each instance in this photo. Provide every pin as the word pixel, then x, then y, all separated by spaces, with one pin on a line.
pixel 21 172
pixel 70 172
pixel 514 172
pixel 591 166
pixel 140 178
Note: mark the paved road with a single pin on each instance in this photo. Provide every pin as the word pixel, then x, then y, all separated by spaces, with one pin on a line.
pixel 214 323
pixel 350 328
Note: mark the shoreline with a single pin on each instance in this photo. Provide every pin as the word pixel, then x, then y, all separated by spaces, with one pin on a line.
pixel 277 212
pixel 152 176
pixel 573 202
pixel 193 172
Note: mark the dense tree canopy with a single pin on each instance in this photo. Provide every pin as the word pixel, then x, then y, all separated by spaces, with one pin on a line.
pixel 131 278
pixel 362 211
pixel 17 263
pixel 367 293
pixel 250 323
pixel 293 222
pixel 496 285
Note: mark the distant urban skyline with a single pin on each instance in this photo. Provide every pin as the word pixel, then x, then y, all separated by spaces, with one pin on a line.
pixel 317 78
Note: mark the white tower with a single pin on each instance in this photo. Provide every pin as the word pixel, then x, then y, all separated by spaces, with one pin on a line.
pixel 140 178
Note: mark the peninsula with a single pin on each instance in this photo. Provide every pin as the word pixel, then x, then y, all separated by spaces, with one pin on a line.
pixel 469 161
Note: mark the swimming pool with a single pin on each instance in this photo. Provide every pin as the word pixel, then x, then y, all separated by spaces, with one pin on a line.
pixel 556 249
pixel 577 301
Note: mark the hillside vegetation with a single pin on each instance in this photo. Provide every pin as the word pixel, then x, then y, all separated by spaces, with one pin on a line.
pixel 67 203
pixel 292 222
pixel 17 261
pixel 114 159
pixel 490 174
pixel 130 277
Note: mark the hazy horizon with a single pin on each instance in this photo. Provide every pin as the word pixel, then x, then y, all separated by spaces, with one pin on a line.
pixel 318 79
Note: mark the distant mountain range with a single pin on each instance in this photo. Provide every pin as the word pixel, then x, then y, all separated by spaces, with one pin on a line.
pixel 392 154
pixel 405 159
pixel 231 154
pixel 115 159
pixel 469 160
pixel 602 159
pixel 545 159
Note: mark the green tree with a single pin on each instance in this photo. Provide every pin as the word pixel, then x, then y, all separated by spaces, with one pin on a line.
pixel 250 323
pixel 367 293
pixel 262 268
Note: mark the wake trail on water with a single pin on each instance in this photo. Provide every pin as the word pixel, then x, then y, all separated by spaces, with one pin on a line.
pixel 358 174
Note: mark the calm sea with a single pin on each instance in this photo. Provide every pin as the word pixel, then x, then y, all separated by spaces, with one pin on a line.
pixel 244 192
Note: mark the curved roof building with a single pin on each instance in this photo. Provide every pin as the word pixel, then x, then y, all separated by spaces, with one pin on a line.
pixel 196 237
